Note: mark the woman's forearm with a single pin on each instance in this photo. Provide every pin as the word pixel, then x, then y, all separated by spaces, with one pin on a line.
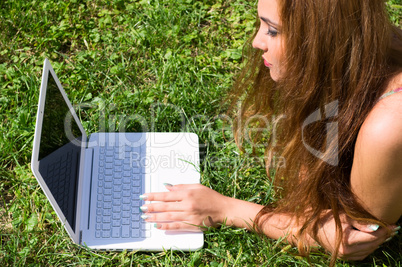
pixel 240 213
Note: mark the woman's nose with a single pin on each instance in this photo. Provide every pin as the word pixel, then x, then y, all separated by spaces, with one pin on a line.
pixel 259 42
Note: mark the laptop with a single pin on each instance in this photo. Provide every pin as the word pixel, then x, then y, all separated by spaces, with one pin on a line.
pixel 94 182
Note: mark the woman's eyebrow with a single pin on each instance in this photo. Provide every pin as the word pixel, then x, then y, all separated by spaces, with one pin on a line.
pixel 268 21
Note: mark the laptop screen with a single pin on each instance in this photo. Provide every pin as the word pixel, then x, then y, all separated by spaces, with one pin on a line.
pixel 59 151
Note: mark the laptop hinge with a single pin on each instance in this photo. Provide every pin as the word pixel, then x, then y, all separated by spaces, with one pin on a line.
pixel 86 189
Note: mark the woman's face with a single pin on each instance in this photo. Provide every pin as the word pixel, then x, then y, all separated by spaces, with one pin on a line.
pixel 269 37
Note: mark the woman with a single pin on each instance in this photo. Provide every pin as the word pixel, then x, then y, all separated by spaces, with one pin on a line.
pixel 343 177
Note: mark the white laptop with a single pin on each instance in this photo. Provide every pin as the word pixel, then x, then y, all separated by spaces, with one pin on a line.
pixel 94 183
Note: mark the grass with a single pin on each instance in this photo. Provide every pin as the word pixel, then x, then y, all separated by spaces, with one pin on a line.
pixel 161 61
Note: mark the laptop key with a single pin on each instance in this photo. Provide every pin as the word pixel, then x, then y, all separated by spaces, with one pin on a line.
pixel 136 190
pixel 118 168
pixel 135 233
pixel 106 219
pixel 125 231
pixel 116 216
pixel 107 192
pixel 109 166
pixel 135 225
pixel 107 212
pixel 105 234
pixel 115 232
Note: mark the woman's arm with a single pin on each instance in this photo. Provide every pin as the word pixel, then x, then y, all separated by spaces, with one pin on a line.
pixel 185 207
pixel 193 207
pixel 376 177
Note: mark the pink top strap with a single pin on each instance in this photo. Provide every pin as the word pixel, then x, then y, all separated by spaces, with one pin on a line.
pixel 391 93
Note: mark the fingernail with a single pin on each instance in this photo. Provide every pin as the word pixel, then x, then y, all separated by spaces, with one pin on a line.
pixel 144 216
pixel 373 227
pixel 157 226
pixel 167 184
pixel 143 197
pixel 144 208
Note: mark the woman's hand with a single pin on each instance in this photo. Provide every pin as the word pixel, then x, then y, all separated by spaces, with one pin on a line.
pixel 359 240
pixel 191 207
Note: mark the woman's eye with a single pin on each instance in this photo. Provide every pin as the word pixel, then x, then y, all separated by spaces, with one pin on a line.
pixel 272 33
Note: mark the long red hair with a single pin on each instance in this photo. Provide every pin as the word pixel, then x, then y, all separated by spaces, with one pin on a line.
pixel 340 54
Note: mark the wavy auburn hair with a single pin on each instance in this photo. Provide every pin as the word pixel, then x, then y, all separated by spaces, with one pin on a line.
pixel 339 56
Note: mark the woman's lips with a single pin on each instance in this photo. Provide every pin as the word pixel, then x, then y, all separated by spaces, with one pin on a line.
pixel 267 64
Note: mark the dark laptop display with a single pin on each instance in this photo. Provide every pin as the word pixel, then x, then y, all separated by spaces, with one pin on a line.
pixel 58 156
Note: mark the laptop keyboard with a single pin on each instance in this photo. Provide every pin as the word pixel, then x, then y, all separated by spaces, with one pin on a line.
pixel 120 184
pixel 58 179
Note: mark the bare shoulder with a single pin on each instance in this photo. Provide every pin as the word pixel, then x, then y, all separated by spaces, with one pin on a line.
pixel 383 126
pixel 376 177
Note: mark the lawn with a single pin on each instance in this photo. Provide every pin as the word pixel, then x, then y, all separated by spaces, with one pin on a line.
pixel 169 62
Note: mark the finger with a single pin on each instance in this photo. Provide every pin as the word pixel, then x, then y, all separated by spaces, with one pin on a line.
pixel 179 226
pixel 162 207
pixel 369 228
pixel 357 252
pixel 172 221
pixel 166 217
pixel 394 230
pixel 360 246
pixel 365 227
pixel 162 196
pixel 356 237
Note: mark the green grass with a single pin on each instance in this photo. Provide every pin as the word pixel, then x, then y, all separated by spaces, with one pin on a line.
pixel 160 60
